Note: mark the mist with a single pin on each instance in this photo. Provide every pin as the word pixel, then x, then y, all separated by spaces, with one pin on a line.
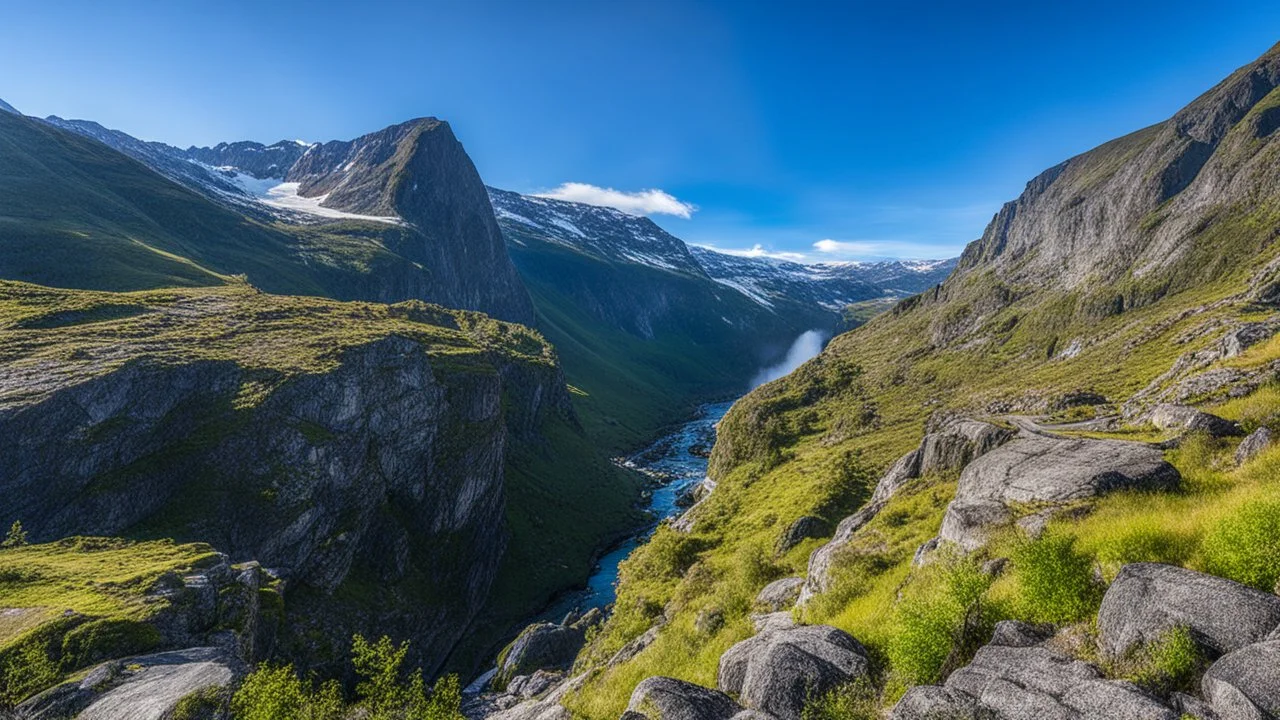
pixel 806 346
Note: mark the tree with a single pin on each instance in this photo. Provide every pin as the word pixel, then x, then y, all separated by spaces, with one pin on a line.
pixel 17 537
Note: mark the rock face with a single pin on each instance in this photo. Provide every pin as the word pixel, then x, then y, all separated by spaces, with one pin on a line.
pixel 1035 469
pixel 1008 683
pixel 780 594
pixel 1257 441
pixel 1147 599
pixel 661 698
pixel 950 447
pixel 1245 683
pixel 546 646
pixel 777 672
pixel 1188 419
pixel 138 688
pixel 387 466
pixel 802 529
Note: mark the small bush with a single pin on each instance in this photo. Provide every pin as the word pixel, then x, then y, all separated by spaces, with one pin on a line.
pixel 205 704
pixel 1174 662
pixel 1244 545
pixel 26 669
pixel 938 625
pixel 857 700
pixel 1055 581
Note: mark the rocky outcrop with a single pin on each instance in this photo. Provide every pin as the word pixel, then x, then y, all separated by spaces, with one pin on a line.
pixel 1188 419
pixel 950 447
pixel 1008 683
pixel 1038 469
pixel 1245 683
pixel 148 687
pixel 1255 443
pixel 777 672
pixel 800 530
pixel 385 465
pixel 780 594
pixel 1146 600
pixel 663 698
pixel 545 646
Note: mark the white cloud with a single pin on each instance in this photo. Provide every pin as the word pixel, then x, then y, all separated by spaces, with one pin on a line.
pixel 758 251
pixel 641 202
pixel 900 249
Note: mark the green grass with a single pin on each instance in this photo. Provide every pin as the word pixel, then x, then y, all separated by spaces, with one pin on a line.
pixel 68 604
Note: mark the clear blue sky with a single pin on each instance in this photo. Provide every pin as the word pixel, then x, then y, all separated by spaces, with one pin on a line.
pixel 890 128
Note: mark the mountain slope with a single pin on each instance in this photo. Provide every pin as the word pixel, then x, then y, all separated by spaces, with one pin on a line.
pixel 1143 271
pixel 303 231
pixel 644 333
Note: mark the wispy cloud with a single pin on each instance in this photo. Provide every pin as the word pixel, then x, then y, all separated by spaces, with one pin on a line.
pixel 889 248
pixel 759 251
pixel 640 202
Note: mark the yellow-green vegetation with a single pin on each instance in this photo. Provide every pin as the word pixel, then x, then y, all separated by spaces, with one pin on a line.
pixel 66 604
pixel 980 349
pixel 79 334
pixel 386 690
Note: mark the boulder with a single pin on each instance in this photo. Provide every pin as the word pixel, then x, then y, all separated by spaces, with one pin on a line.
pixel 1256 442
pixel 1146 600
pixel 1246 336
pixel 776 672
pixel 1245 683
pixel 1038 682
pixel 541 646
pixel 147 687
pixel 802 529
pixel 950 447
pixel 780 594
pixel 1039 469
pixel 1188 419
pixel 527 686
pixel 1012 633
pixel 958 442
pixel 663 698
pixel 769 622
pixel 967 523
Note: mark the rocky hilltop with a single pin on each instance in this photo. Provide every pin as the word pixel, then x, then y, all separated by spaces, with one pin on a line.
pixel 358 450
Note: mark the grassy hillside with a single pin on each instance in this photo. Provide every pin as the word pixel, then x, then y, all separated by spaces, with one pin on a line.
pixel 1064 295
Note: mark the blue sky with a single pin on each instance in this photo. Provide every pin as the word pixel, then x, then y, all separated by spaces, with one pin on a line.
pixel 824 130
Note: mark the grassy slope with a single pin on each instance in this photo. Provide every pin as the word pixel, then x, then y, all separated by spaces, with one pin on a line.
pixel 815 442
pixel 65 604
pixel 75 213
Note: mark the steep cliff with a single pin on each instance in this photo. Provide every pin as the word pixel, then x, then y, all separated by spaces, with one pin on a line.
pixel 358 448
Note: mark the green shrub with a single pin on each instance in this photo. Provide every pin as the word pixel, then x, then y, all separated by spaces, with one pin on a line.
pixel 857 700
pixel 1056 583
pixel 100 640
pixel 205 704
pixel 939 623
pixel 1244 545
pixel 24 669
pixel 1174 662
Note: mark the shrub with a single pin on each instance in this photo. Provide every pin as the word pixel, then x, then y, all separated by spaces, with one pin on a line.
pixel 1174 662
pixel 25 669
pixel 938 625
pixel 857 700
pixel 16 537
pixel 1244 545
pixel 1056 583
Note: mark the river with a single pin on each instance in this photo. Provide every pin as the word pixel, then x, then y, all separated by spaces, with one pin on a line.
pixel 677 462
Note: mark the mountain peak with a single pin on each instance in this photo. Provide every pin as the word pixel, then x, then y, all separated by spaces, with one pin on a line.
pixel 6 107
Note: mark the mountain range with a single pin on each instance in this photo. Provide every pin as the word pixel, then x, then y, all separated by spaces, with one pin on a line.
pixel 258 399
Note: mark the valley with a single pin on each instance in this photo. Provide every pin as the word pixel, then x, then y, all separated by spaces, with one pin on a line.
pixel 339 431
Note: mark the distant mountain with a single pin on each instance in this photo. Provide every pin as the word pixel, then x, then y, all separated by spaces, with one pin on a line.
pixel 394 215
pixel 6 107
pixel 829 285
pixel 603 232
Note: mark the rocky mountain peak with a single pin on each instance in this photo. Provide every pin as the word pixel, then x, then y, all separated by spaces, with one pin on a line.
pixel 1135 207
